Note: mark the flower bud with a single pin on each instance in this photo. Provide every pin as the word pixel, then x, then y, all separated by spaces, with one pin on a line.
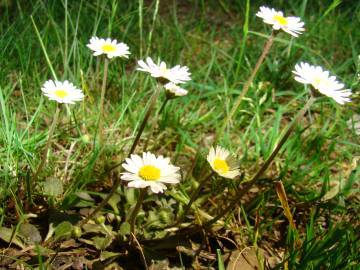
pixel 100 220
pixel 76 232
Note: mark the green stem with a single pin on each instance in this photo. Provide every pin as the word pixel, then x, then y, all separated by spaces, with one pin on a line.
pixel 235 107
pixel 267 163
pixel 102 100
pixel 155 120
pixel 118 180
pixel 145 120
pixel 194 196
pixel 135 212
pixel 163 105
pixel 140 10
pixel 48 143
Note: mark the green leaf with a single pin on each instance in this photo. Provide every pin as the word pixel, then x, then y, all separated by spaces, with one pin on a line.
pixel 96 228
pixel 221 265
pixel 113 202
pixel 6 234
pixel 102 243
pixel 124 228
pixel 107 254
pixel 63 230
pixel 84 195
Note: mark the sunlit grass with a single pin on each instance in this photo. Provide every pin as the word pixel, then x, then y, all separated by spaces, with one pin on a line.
pixel 220 50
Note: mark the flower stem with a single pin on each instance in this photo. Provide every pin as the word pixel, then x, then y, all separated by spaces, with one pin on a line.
pixel 155 120
pixel 163 105
pixel 135 212
pixel 102 99
pixel 136 140
pixel 145 120
pixel 194 196
pixel 264 167
pixel 235 107
pixel 48 143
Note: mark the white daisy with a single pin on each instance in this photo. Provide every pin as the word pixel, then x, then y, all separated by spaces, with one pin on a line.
pixel 291 25
pixel 62 92
pixel 322 81
pixel 109 47
pixel 150 171
pixel 222 162
pixel 175 74
pixel 175 90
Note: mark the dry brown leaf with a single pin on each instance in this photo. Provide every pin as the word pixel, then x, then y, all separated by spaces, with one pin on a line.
pixel 246 259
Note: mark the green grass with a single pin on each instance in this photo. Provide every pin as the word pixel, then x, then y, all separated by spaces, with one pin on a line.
pixel 220 42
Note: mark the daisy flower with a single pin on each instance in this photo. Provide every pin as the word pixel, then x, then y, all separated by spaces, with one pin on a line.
pixel 62 92
pixel 150 171
pixel 177 74
pixel 321 80
pixel 109 47
pixel 222 162
pixel 291 25
pixel 174 90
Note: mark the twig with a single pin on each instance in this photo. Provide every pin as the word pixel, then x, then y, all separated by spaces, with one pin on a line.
pixel 68 160
pixel 141 251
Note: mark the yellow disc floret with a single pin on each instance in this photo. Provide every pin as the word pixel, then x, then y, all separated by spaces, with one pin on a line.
pixel 221 165
pixel 281 20
pixel 61 93
pixel 149 173
pixel 319 82
pixel 108 48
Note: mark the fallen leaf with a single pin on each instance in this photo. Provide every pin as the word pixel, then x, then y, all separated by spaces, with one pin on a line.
pixel 30 233
pixel 53 187
pixel 245 259
pixel 6 234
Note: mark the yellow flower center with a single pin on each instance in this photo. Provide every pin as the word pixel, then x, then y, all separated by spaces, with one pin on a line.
pixel 61 93
pixel 221 165
pixel 149 173
pixel 318 81
pixel 281 20
pixel 108 48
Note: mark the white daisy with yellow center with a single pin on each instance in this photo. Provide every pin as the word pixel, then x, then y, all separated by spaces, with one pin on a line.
pixel 62 92
pixel 222 162
pixel 150 171
pixel 176 75
pixel 175 90
pixel 109 47
pixel 321 80
pixel 291 25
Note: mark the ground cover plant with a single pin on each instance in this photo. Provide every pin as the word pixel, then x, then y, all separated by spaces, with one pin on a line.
pixel 179 134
